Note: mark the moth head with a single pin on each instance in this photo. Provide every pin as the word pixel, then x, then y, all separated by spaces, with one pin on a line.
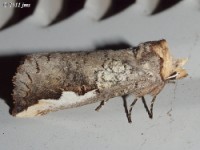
pixel 172 69
pixel 178 72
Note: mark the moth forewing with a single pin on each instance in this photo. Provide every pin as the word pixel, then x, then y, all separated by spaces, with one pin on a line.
pixel 47 82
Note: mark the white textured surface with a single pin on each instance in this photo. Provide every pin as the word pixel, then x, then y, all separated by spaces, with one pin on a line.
pixel 5 12
pixel 96 8
pixel 46 11
pixel 176 114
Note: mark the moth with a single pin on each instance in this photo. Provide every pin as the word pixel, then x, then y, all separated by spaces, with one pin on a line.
pixel 46 82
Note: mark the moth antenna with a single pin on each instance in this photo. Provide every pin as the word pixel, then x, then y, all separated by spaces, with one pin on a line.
pixel 173 76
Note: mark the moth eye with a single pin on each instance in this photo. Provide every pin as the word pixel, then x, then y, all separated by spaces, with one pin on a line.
pixel 173 76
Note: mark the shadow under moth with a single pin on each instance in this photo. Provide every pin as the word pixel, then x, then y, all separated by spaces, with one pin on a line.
pixel 46 82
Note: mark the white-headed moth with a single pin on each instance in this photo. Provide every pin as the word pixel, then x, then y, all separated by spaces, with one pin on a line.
pixel 47 82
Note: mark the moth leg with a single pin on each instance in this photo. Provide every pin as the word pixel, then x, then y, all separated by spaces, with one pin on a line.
pixel 151 109
pixel 131 106
pixel 146 107
pixel 126 108
pixel 102 103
